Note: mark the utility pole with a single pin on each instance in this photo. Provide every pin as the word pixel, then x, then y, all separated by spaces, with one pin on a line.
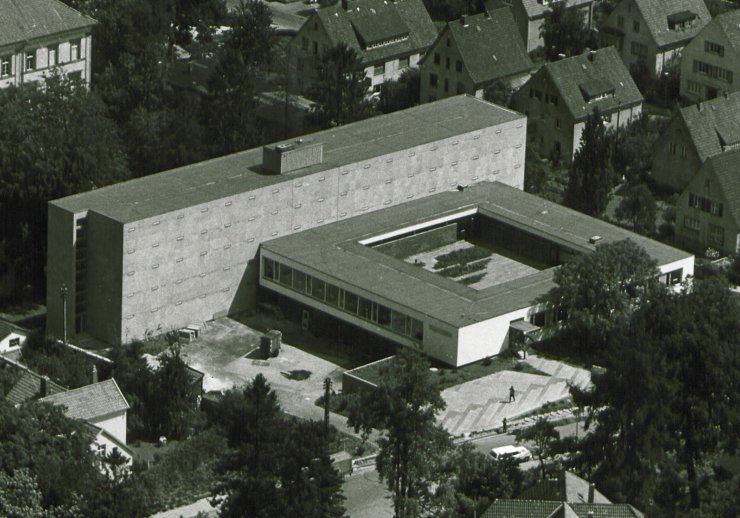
pixel 63 291
pixel 327 396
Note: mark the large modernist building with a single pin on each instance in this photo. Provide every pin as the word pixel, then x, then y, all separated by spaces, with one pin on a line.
pixel 176 248
pixel 401 273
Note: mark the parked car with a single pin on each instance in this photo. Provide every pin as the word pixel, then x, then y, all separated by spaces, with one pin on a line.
pixel 515 452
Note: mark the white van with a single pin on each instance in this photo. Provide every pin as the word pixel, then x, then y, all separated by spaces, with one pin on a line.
pixel 515 452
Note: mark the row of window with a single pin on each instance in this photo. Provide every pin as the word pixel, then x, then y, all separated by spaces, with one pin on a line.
pixel 715 234
pixel 673 149
pixel 345 300
pixel 639 50
pixel 713 71
pixel 30 63
pixel 714 48
pixel 705 204
pixel 438 61
pixel 178 303
pixel 434 82
pixel 549 98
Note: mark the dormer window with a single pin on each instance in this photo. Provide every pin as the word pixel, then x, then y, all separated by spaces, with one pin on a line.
pixel 596 89
pixel 681 20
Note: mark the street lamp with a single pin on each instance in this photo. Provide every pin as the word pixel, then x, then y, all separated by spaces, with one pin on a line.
pixel 63 292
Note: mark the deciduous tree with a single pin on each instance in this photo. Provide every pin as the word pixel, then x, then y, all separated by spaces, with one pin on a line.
pixel 564 31
pixel 404 406
pixel 638 208
pixel 542 434
pixel 340 89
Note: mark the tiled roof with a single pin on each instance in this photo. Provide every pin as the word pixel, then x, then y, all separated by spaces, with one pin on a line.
pixel 656 13
pixel 568 487
pixel 370 22
pixel 579 78
pixel 729 23
pixel 542 509
pixel 28 387
pixel 6 328
pixel 91 401
pixel 712 123
pixel 490 45
pixel 605 510
pixel 726 168
pixel 22 20
pixel 535 9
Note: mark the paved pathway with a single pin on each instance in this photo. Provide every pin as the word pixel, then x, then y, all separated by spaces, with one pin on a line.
pixel 190 510
pixel 482 404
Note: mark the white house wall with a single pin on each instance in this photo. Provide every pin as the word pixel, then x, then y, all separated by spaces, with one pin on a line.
pixel 487 338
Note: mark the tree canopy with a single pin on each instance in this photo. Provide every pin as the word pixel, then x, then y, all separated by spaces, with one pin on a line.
pixel 404 406
pixel 564 31
pixel 591 175
pixel 598 292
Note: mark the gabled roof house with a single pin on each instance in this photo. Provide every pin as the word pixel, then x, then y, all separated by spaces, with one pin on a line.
pixel 561 95
pixel 711 61
pixel 39 36
pixel 694 134
pixel 653 32
pixel 388 36
pixel 472 53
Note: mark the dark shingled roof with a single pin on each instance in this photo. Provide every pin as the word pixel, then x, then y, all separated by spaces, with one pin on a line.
pixel 604 70
pixel 22 20
pixel 335 250
pixel 729 23
pixel 568 487
pixel 366 22
pixel 28 387
pixel 91 401
pixel 231 175
pixel 6 328
pixel 535 9
pixel 657 12
pixel 541 509
pixel 490 45
pixel 712 123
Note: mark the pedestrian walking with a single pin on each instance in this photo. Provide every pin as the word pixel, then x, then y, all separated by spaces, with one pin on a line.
pixel 512 394
pixel 504 423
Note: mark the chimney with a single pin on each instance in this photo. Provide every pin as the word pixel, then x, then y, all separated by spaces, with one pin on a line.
pixel 44 388
pixel 591 490
pixel 590 55
pixel 561 56
pixel 699 106
pixel 464 20
pixel 486 15
pixel 590 514
pixel 94 374
pixel 345 5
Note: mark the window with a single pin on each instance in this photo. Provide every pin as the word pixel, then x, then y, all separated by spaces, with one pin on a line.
pixel 557 123
pixel 639 50
pixel 447 85
pixel 403 62
pixel 304 43
pixel 379 70
pixel 620 22
pixel 315 48
pixel 683 151
pixel 433 80
pixel 694 87
pixel 713 71
pixel 448 42
pixel 672 148
pixel 636 26
pixel 5 66
pixel 714 48
pixel 31 60
pixel 74 50
pixel 460 88
pixel 286 275
pixel 691 223
pixel 458 66
pixel 436 58
pixel 53 53
pixel 447 63
pixel 716 235
pixel 714 208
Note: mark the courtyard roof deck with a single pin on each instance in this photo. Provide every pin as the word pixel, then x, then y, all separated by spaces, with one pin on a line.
pixel 336 251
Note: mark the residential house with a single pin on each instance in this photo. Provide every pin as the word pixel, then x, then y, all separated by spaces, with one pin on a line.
pixel 101 404
pixel 694 134
pixel 530 16
pixel 711 61
pixel 708 210
pixel 40 36
pixel 389 36
pixel 472 53
pixel 12 337
pixel 653 32
pixel 559 97
pixel 568 495
pixel 23 384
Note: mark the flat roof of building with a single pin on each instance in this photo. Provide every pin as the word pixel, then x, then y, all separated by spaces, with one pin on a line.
pixel 336 251
pixel 242 172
